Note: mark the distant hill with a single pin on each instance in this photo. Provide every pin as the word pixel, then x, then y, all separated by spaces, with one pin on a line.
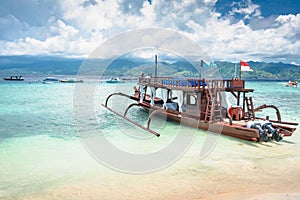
pixel 38 65
pixel 46 65
pixel 263 70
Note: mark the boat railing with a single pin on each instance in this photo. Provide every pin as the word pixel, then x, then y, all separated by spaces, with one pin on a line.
pixel 153 80
pixel 192 83
pixel 184 83
pixel 234 83
pixel 173 82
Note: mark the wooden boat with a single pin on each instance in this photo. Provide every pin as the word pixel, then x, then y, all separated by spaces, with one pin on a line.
pixel 49 80
pixel 292 84
pixel 200 103
pixel 70 80
pixel 114 80
pixel 14 78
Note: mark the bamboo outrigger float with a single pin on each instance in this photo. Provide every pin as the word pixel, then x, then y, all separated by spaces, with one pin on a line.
pixel 200 103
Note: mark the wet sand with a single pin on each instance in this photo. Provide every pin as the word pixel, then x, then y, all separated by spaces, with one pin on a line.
pixel 245 171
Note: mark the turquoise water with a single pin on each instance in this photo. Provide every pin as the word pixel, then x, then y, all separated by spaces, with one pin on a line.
pixel 40 148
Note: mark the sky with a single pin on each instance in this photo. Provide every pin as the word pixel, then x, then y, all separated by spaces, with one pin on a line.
pixel 257 30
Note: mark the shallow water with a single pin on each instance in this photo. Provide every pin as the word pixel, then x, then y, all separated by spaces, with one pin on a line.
pixel 41 150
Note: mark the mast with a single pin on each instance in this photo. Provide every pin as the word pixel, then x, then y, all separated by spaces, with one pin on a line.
pixel 201 66
pixel 155 69
pixel 235 69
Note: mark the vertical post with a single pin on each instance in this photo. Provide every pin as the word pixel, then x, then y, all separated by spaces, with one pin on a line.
pixel 238 99
pixel 244 100
pixel 240 71
pixel 155 70
pixel 201 66
pixel 235 69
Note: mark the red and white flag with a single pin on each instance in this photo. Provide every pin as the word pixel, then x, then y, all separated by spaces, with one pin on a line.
pixel 245 66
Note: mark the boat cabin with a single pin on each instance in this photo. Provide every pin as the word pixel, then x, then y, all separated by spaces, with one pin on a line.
pixel 200 98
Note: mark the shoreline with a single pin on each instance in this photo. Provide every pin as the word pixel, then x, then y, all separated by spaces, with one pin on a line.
pixel 269 176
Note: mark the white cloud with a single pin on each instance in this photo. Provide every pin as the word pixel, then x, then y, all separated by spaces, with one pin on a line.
pixel 248 9
pixel 63 39
pixel 11 27
pixel 80 26
pixel 285 18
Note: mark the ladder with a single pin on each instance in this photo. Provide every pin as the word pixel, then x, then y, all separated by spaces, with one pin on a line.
pixel 250 109
pixel 213 111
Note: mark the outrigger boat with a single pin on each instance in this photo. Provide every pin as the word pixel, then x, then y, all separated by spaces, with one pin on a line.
pixel 14 78
pixel 200 103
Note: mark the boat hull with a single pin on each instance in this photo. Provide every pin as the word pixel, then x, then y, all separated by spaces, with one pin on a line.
pixel 113 81
pixel 71 81
pixel 13 79
pixel 224 128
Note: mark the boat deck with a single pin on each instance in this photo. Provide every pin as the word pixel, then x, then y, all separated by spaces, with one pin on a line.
pixel 193 84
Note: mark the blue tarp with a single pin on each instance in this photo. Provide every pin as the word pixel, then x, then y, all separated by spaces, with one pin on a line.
pixel 182 82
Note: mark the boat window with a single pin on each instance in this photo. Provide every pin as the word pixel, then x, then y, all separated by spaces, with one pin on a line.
pixel 191 99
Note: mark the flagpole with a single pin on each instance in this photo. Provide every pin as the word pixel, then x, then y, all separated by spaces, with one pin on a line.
pixel 240 70
pixel 155 68
pixel 235 69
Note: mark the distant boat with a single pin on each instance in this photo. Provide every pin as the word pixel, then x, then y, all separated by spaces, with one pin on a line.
pixel 292 84
pixel 49 80
pixel 70 80
pixel 114 80
pixel 14 78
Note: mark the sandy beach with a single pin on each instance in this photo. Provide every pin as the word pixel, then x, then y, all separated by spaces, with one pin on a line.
pixel 252 171
pixel 231 186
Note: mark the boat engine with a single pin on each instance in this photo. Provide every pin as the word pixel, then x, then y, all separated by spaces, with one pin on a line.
pixel 262 132
pixel 266 130
pixel 273 133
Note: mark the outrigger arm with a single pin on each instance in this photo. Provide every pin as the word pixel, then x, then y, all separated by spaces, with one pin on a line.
pixel 118 93
pixel 154 113
pixel 124 115
pixel 270 106
pixel 277 113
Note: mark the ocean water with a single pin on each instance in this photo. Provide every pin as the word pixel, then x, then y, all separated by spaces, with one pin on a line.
pixel 41 149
